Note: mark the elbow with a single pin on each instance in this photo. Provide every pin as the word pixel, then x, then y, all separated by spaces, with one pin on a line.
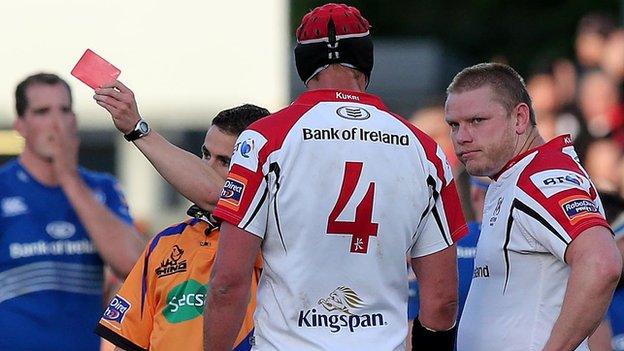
pixel 608 268
pixel 439 314
pixel 613 270
pixel 224 286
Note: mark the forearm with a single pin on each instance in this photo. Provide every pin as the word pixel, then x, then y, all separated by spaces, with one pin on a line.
pixel 183 170
pixel 224 314
pixel 578 318
pixel 437 279
pixel 117 242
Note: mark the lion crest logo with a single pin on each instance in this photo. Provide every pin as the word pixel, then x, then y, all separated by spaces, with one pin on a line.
pixel 342 299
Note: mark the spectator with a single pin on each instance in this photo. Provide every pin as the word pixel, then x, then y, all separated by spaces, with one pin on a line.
pixel 591 35
pixel 59 225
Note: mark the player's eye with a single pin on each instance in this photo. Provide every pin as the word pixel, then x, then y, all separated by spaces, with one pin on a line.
pixel 41 111
pixel 477 120
pixel 205 153
pixel 225 162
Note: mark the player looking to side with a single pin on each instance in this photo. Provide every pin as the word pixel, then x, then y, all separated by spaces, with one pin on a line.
pixel 59 225
pixel 546 263
pixel 336 190
pixel 160 305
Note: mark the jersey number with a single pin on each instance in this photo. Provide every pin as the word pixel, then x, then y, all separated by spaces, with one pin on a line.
pixel 362 228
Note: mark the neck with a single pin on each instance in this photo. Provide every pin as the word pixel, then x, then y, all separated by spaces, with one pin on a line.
pixel 39 168
pixel 528 141
pixel 339 78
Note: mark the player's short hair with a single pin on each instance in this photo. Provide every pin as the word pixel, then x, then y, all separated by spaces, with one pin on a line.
pixel 506 83
pixel 21 101
pixel 235 120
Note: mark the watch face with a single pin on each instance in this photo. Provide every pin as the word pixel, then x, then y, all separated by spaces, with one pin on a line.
pixel 143 127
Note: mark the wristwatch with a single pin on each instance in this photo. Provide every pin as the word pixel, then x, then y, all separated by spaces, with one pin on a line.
pixel 140 130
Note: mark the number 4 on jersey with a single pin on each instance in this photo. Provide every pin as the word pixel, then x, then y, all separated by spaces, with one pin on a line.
pixel 362 228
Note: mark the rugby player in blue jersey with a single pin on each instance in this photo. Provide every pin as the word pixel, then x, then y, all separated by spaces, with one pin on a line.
pixel 59 225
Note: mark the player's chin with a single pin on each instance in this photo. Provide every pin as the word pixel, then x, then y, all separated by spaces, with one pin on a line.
pixel 476 169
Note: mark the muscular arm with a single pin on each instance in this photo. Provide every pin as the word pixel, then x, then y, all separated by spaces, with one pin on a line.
pixel 118 243
pixel 230 283
pixel 437 288
pixel 184 171
pixel 595 266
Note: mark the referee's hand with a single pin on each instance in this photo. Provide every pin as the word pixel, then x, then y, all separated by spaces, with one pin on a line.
pixel 120 102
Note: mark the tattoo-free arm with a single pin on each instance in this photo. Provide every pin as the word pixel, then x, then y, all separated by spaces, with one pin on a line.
pixel 230 284
pixel 595 267
pixel 437 288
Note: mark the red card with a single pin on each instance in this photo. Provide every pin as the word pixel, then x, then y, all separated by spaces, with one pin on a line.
pixel 95 71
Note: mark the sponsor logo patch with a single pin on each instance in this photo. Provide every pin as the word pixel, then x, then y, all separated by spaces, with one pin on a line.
pixel 353 112
pixel 577 209
pixel 116 310
pixel 232 192
pixel 60 229
pixel 341 313
pixel 246 147
pixel 173 264
pixel 185 301
pixel 552 182
pixel 13 206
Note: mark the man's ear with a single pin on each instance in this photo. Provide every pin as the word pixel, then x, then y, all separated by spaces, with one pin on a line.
pixel 522 113
pixel 20 126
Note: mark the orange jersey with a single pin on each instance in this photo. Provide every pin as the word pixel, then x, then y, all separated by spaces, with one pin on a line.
pixel 160 305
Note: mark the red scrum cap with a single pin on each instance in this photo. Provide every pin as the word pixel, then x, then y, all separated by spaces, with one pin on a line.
pixel 333 33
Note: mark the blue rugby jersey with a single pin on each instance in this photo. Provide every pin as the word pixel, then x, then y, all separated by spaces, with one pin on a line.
pixel 50 273
pixel 466 250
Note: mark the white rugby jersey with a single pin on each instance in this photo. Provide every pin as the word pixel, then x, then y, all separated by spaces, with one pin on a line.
pixel 539 203
pixel 340 190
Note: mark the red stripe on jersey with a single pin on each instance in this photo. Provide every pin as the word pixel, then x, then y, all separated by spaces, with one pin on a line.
pixel 274 128
pixel 450 198
pixel 453 211
pixel 429 145
pixel 550 157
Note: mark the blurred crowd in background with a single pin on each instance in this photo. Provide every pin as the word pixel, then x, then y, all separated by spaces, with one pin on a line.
pixel 582 96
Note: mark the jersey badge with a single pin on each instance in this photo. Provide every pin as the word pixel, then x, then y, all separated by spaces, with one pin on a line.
pixel 552 182
pixel 353 112
pixel 60 229
pixel 13 206
pixel 172 264
pixel 497 210
pixel 578 208
pixel 247 148
pixel 116 310
pixel 232 192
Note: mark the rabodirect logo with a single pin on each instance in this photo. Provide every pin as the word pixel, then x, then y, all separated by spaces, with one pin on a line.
pixel 185 301
pixel 344 300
